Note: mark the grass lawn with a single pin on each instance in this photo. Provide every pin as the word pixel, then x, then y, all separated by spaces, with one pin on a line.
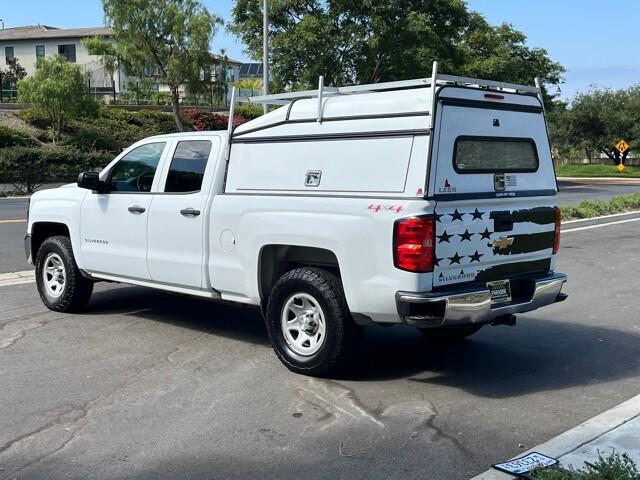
pixel 597 208
pixel 596 171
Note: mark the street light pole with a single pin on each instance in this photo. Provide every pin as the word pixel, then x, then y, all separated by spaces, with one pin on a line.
pixel 265 50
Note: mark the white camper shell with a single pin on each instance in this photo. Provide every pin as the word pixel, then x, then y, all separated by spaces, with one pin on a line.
pixel 427 202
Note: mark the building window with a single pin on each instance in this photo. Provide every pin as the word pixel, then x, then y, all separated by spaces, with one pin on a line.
pixel 68 52
pixel 8 55
pixel 39 51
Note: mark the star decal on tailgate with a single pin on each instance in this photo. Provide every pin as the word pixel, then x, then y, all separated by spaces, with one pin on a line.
pixel 466 235
pixel 456 259
pixel 444 237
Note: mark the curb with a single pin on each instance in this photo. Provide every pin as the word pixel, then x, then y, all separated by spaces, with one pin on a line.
pixel 588 222
pixel 572 440
pixel 609 180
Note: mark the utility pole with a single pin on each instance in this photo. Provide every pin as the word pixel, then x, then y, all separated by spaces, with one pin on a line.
pixel 265 50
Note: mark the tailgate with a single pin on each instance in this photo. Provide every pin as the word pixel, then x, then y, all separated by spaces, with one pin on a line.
pixel 494 186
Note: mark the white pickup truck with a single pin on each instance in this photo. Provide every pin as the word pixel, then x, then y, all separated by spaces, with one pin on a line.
pixel 427 202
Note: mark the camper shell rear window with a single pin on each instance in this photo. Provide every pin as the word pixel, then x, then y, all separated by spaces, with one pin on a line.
pixel 495 155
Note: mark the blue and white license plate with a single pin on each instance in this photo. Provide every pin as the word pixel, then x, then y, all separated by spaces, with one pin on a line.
pixel 500 291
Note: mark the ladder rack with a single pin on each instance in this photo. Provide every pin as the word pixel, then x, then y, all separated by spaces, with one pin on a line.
pixel 435 81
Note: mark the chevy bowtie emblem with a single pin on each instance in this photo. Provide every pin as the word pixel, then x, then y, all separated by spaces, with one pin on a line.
pixel 502 243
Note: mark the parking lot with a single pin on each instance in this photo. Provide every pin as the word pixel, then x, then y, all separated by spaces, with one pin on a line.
pixel 147 384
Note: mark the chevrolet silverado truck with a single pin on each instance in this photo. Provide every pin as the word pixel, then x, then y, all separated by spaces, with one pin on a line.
pixel 428 202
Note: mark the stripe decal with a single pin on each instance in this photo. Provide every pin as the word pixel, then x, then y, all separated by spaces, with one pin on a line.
pixel 511 269
pixel 527 243
pixel 539 215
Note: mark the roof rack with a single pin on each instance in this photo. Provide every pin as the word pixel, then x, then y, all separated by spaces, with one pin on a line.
pixel 435 81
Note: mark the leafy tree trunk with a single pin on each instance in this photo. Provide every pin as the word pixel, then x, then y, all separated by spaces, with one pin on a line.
pixel 175 108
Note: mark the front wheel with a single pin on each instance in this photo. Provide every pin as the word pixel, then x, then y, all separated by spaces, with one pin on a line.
pixel 61 286
pixel 309 323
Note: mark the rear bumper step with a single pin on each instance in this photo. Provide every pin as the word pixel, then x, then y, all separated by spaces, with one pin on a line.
pixel 473 305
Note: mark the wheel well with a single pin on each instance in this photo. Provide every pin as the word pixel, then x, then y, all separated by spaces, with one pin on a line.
pixel 42 230
pixel 275 260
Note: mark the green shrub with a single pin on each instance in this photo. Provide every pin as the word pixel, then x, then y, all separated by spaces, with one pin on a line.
pixel 92 138
pixel 35 117
pixel 10 137
pixel 249 111
pixel 28 167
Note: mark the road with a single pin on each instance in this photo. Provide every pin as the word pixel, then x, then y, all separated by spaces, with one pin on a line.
pixel 150 385
pixel 576 191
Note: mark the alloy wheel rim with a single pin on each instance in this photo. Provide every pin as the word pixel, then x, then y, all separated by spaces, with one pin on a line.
pixel 303 324
pixel 54 275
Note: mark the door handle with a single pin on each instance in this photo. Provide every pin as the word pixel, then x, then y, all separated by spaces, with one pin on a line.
pixel 190 212
pixel 137 209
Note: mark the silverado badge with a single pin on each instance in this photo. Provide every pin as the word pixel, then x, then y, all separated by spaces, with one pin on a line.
pixel 502 243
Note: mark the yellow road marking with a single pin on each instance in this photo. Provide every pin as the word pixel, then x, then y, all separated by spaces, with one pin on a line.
pixel 13 221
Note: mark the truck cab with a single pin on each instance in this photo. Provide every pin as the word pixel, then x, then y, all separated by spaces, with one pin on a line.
pixel 429 203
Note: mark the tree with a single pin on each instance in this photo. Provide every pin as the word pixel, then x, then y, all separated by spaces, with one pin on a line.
pixel 172 35
pixel 12 75
pixel 59 89
pixel 368 41
pixel 596 120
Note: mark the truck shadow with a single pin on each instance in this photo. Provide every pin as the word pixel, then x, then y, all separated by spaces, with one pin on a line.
pixel 538 354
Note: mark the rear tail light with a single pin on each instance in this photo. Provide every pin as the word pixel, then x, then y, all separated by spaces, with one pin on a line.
pixel 413 246
pixel 556 241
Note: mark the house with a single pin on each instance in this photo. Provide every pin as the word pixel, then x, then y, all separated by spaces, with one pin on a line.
pixel 250 71
pixel 28 43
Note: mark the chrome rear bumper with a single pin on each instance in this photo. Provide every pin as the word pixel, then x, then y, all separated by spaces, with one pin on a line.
pixel 473 305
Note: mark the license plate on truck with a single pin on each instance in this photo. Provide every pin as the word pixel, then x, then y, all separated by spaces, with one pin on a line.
pixel 500 291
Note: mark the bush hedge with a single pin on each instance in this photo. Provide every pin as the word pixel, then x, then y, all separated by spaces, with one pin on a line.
pixel 10 137
pixel 28 167
pixel 211 121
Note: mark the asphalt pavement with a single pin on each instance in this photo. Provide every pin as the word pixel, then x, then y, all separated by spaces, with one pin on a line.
pixel 151 385
pixel 575 191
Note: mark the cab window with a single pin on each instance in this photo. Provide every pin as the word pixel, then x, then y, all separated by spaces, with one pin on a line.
pixel 135 171
pixel 187 166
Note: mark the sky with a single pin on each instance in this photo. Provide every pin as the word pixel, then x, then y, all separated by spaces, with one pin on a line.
pixel 594 40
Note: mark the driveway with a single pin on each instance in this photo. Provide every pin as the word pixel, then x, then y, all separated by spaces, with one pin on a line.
pixel 151 385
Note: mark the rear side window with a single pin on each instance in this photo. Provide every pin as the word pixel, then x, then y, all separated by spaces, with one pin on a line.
pixel 495 155
pixel 187 166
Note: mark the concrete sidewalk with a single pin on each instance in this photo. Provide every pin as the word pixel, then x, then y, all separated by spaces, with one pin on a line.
pixel 616 430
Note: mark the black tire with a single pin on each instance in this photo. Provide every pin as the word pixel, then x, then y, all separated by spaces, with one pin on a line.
pixel 76 290
pixel 449 334
pixel 341 334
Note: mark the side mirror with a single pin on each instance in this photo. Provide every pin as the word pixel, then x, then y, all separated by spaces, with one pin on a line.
pixel 90 181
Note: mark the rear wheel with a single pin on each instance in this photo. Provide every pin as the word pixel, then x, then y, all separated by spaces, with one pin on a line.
pixel 449 334
pixel 309 323
pixel 61 286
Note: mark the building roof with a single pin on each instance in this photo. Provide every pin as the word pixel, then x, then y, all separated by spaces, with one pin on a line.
pixel 251 70
pixel 38 32
pixel 217 56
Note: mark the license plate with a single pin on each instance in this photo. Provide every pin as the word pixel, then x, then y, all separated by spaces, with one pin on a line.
pixel 528 463
pixel 500 291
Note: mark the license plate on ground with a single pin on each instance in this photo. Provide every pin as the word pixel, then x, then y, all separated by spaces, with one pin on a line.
pixel 500 291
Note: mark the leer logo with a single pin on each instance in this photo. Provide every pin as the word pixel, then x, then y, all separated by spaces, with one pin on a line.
pixel 447 187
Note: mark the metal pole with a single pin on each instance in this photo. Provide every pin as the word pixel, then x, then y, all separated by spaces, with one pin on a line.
pixel 265 51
